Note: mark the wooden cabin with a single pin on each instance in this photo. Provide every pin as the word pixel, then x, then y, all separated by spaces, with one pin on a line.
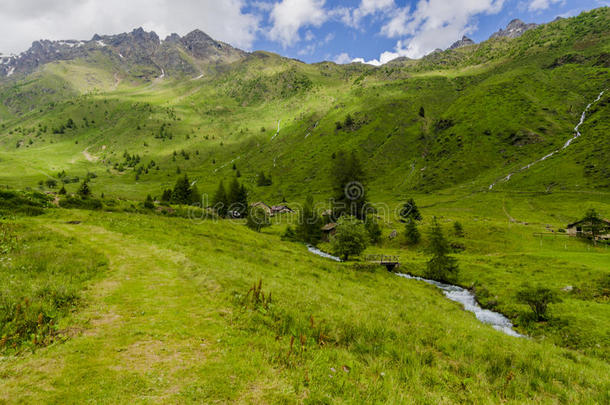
pixel 280 209
pixel 328 230
pixel 583 228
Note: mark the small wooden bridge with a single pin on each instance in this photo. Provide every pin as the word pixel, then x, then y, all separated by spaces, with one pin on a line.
pixel 390 262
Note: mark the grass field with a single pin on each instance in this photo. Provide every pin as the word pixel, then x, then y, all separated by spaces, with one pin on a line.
pixel 170 321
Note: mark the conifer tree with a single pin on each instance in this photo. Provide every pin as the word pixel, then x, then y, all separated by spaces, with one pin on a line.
pixel 149 203
pixel 410 211
pixel 412 233
pixel 182 191
pixel 309 227
pixel 84 191
pixel 441 266
pixel 220 201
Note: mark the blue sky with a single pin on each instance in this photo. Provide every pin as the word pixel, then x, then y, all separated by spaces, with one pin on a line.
pixel 366 29
pixel 374 31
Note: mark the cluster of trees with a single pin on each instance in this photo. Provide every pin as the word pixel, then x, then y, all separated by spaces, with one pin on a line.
pixel 263 180
pixel 164 132
pixel 184 192
pixel 231 202
pixel 185 155
pixel 69 124
pixel 347 123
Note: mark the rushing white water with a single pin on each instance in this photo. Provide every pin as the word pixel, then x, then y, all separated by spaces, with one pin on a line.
pixel 467 299
pixel 278 129
pixel 568 143
pixel 582 120
pixel 320 253
pixel 454 293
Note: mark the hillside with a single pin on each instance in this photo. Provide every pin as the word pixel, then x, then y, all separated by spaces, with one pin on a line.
pixel 489 108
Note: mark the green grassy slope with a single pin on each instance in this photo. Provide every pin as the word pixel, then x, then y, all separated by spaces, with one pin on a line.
pixel 171 324
pixel 489 109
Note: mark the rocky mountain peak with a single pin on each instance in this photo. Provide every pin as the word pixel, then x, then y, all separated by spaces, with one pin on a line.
pixel 174 38
pixel 514 29
pixel 465 41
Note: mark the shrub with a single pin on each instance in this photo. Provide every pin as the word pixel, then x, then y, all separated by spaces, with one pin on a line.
pixel 257 219
pixel 23 203
pixel 79 203
pixel 538 299
pixel 51 183
pixel 374 229
pixel 351 237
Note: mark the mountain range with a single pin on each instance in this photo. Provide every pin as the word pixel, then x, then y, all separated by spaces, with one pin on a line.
pixel 462 118
pixel 174 55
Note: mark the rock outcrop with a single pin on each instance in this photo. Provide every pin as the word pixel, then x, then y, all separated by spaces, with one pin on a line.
pixel 514 29
pixel 465 41
pixel 138 51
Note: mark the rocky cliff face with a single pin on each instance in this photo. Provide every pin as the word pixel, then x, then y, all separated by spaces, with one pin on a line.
pixel 137 49
pixel 465 41
pixel 514 29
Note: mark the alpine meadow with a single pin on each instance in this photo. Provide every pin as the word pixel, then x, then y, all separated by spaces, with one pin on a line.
pixel 183 221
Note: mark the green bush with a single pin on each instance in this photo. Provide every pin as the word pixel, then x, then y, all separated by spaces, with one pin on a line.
pixel 81 203
pixel 23 203
pixel 538 299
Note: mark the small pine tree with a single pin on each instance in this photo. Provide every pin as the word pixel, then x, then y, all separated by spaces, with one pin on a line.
pixel 166 196
pixel 149 203
pixel 410 211
pixel 309 227
pixel 458 230
pixel 412 233
pixel 220 201
pixel 182 191
pixel 289 234
pixel 441 267
pixel 84 191
pixel 195 196
pixel 349 121
pixel 422 112
pixel 63 191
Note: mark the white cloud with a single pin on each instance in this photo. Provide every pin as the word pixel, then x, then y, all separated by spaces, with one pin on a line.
pixel 24 21
pixel 353 17
pixel 537 5
pixel 385 57
pixel 343 58
pixel 432 24
pixel 289 16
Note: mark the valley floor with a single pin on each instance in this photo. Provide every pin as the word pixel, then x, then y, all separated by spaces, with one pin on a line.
pixel 171 321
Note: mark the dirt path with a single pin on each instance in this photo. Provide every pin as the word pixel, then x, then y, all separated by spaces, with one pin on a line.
pixel 89 156
pixel 143 336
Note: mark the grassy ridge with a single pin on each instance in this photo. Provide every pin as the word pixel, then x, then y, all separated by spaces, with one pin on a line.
pixel 498 106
